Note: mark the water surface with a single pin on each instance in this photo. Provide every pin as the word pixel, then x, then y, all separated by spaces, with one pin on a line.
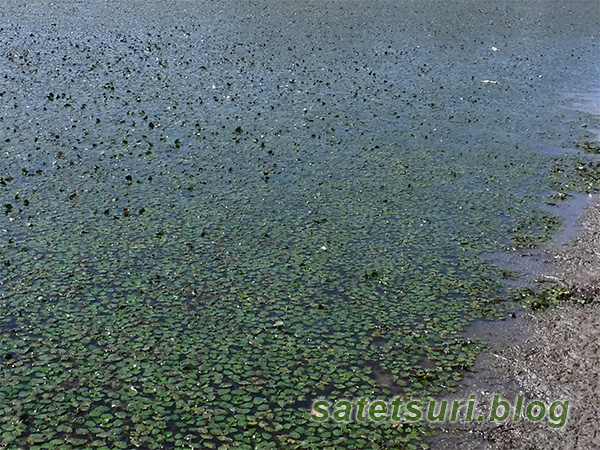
pixel 215 212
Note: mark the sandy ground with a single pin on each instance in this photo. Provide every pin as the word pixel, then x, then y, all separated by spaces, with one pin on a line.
pixel 546 356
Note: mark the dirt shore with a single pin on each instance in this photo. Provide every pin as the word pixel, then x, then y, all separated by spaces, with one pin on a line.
pixel 547 356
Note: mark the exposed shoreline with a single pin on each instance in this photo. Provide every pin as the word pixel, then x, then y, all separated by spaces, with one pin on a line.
pixel 548 356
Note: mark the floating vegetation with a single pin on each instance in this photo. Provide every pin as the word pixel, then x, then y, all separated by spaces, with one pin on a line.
pixel 589 147
pixel 210 219
pixel 545 297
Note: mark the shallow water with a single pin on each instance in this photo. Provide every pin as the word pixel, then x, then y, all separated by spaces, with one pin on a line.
pixel 215 211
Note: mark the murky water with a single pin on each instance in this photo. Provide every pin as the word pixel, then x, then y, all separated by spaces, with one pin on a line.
pixel 213 212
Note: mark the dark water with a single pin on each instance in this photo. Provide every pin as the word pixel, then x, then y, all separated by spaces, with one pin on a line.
pixel 214 212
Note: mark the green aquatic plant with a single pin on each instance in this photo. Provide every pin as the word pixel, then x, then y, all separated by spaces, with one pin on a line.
pixel 589 147
pixel 193 251
pixel 544 298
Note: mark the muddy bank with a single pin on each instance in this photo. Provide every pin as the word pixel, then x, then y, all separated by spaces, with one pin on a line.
pixel 547 356
pixel 576 264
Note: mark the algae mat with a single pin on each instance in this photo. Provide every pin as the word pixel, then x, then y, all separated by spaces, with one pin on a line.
pixel 214 213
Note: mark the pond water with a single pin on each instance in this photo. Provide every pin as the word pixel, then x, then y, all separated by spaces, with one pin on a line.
pixel 215 212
